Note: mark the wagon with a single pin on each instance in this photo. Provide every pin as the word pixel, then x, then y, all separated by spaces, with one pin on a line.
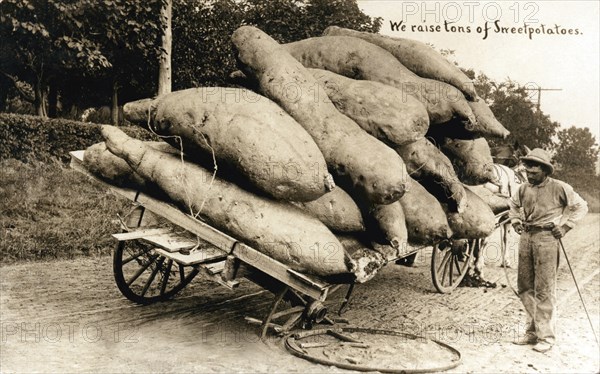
pixel 152 263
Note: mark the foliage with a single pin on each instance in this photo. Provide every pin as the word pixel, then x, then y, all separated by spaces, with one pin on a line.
pixel 31 138
pixel 201 47
pixel 48 211
pixel 576 149
pixel 576 152
pixel 202 51
pixel 69 46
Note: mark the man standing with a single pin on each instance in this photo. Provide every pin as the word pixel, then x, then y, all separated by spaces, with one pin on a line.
pixel 542 211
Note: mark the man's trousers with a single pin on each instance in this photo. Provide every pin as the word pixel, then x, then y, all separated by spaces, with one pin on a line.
pixel 537 272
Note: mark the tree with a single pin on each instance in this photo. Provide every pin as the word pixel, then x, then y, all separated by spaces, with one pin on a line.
pixel 84 52
pixel 164 71
pixel 63 44
pixel 576 150
pixel 202 50
pixel 41 38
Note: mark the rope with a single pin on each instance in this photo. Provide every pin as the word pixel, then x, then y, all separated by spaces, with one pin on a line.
pixel 182 175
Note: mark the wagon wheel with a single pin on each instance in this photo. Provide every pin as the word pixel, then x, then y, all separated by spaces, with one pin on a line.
pixel 144 276
pixel 450 262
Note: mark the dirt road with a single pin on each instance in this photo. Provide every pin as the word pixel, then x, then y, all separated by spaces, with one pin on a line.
pixel 68 316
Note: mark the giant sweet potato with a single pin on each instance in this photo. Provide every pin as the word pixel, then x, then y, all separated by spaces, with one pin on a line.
pixel 496 203
pixel 429 165
pixel 476 221
pixel 366 164
pixel 386 226
pixel 247 132
pixel 275 228
pixel 416 56
pixel 359 59
pixel 368 261
pixel 336 210
pixel 101 162
pixel 472 160
pixel 426 221
pixel 486 124
pixel 381 110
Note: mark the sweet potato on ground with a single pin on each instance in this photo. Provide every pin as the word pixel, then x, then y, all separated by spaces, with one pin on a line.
pixel 247 132
pixel 277 229
pixel 426 221
pixel 381 110
pixel 366 164
pixel 359 59
pixel 420 58
pixel 429 165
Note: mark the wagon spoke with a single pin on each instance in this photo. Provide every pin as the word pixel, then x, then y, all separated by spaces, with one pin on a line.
pixel 444 260
pixel 133 257
pixel 457 266
pixel 141 270
pixel 448 267
pixel 149 277
pixel 166 276
pixel 443 275
pixel 152 276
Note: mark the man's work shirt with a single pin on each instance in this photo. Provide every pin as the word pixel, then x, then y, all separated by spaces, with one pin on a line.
pixel 552 201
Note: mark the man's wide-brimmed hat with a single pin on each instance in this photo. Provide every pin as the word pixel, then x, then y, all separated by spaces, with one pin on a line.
pixel 539 156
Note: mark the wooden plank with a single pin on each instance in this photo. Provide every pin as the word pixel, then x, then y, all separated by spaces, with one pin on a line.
pixel 231 284
pixel 215 267
pixel 277 270
pixel 308 280
pixel 173 243
pixel 196 257
pixel 137 234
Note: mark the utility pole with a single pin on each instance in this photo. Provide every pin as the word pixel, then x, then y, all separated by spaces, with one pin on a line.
pixel 539 93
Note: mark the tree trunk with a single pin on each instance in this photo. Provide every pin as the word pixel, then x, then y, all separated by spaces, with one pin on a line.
pixel 52 101
pixel 114 108
pixel 40 98
pixel 5 85
pixel 164 72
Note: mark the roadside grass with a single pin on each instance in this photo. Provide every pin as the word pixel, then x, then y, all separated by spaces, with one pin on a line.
pixel 50 211
pixel 592 198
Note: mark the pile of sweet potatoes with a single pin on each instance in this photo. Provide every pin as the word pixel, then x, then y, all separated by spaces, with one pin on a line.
pixel 346 138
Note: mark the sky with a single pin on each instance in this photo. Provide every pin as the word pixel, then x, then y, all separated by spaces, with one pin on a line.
pixel 568 62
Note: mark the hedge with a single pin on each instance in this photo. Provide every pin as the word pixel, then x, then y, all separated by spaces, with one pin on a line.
pixel 27 138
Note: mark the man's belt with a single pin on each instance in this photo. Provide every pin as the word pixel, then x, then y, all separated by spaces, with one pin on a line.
pixel 537 228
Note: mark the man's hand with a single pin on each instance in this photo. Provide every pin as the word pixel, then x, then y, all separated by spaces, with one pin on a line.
pixel 560 231
pixel 518 226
